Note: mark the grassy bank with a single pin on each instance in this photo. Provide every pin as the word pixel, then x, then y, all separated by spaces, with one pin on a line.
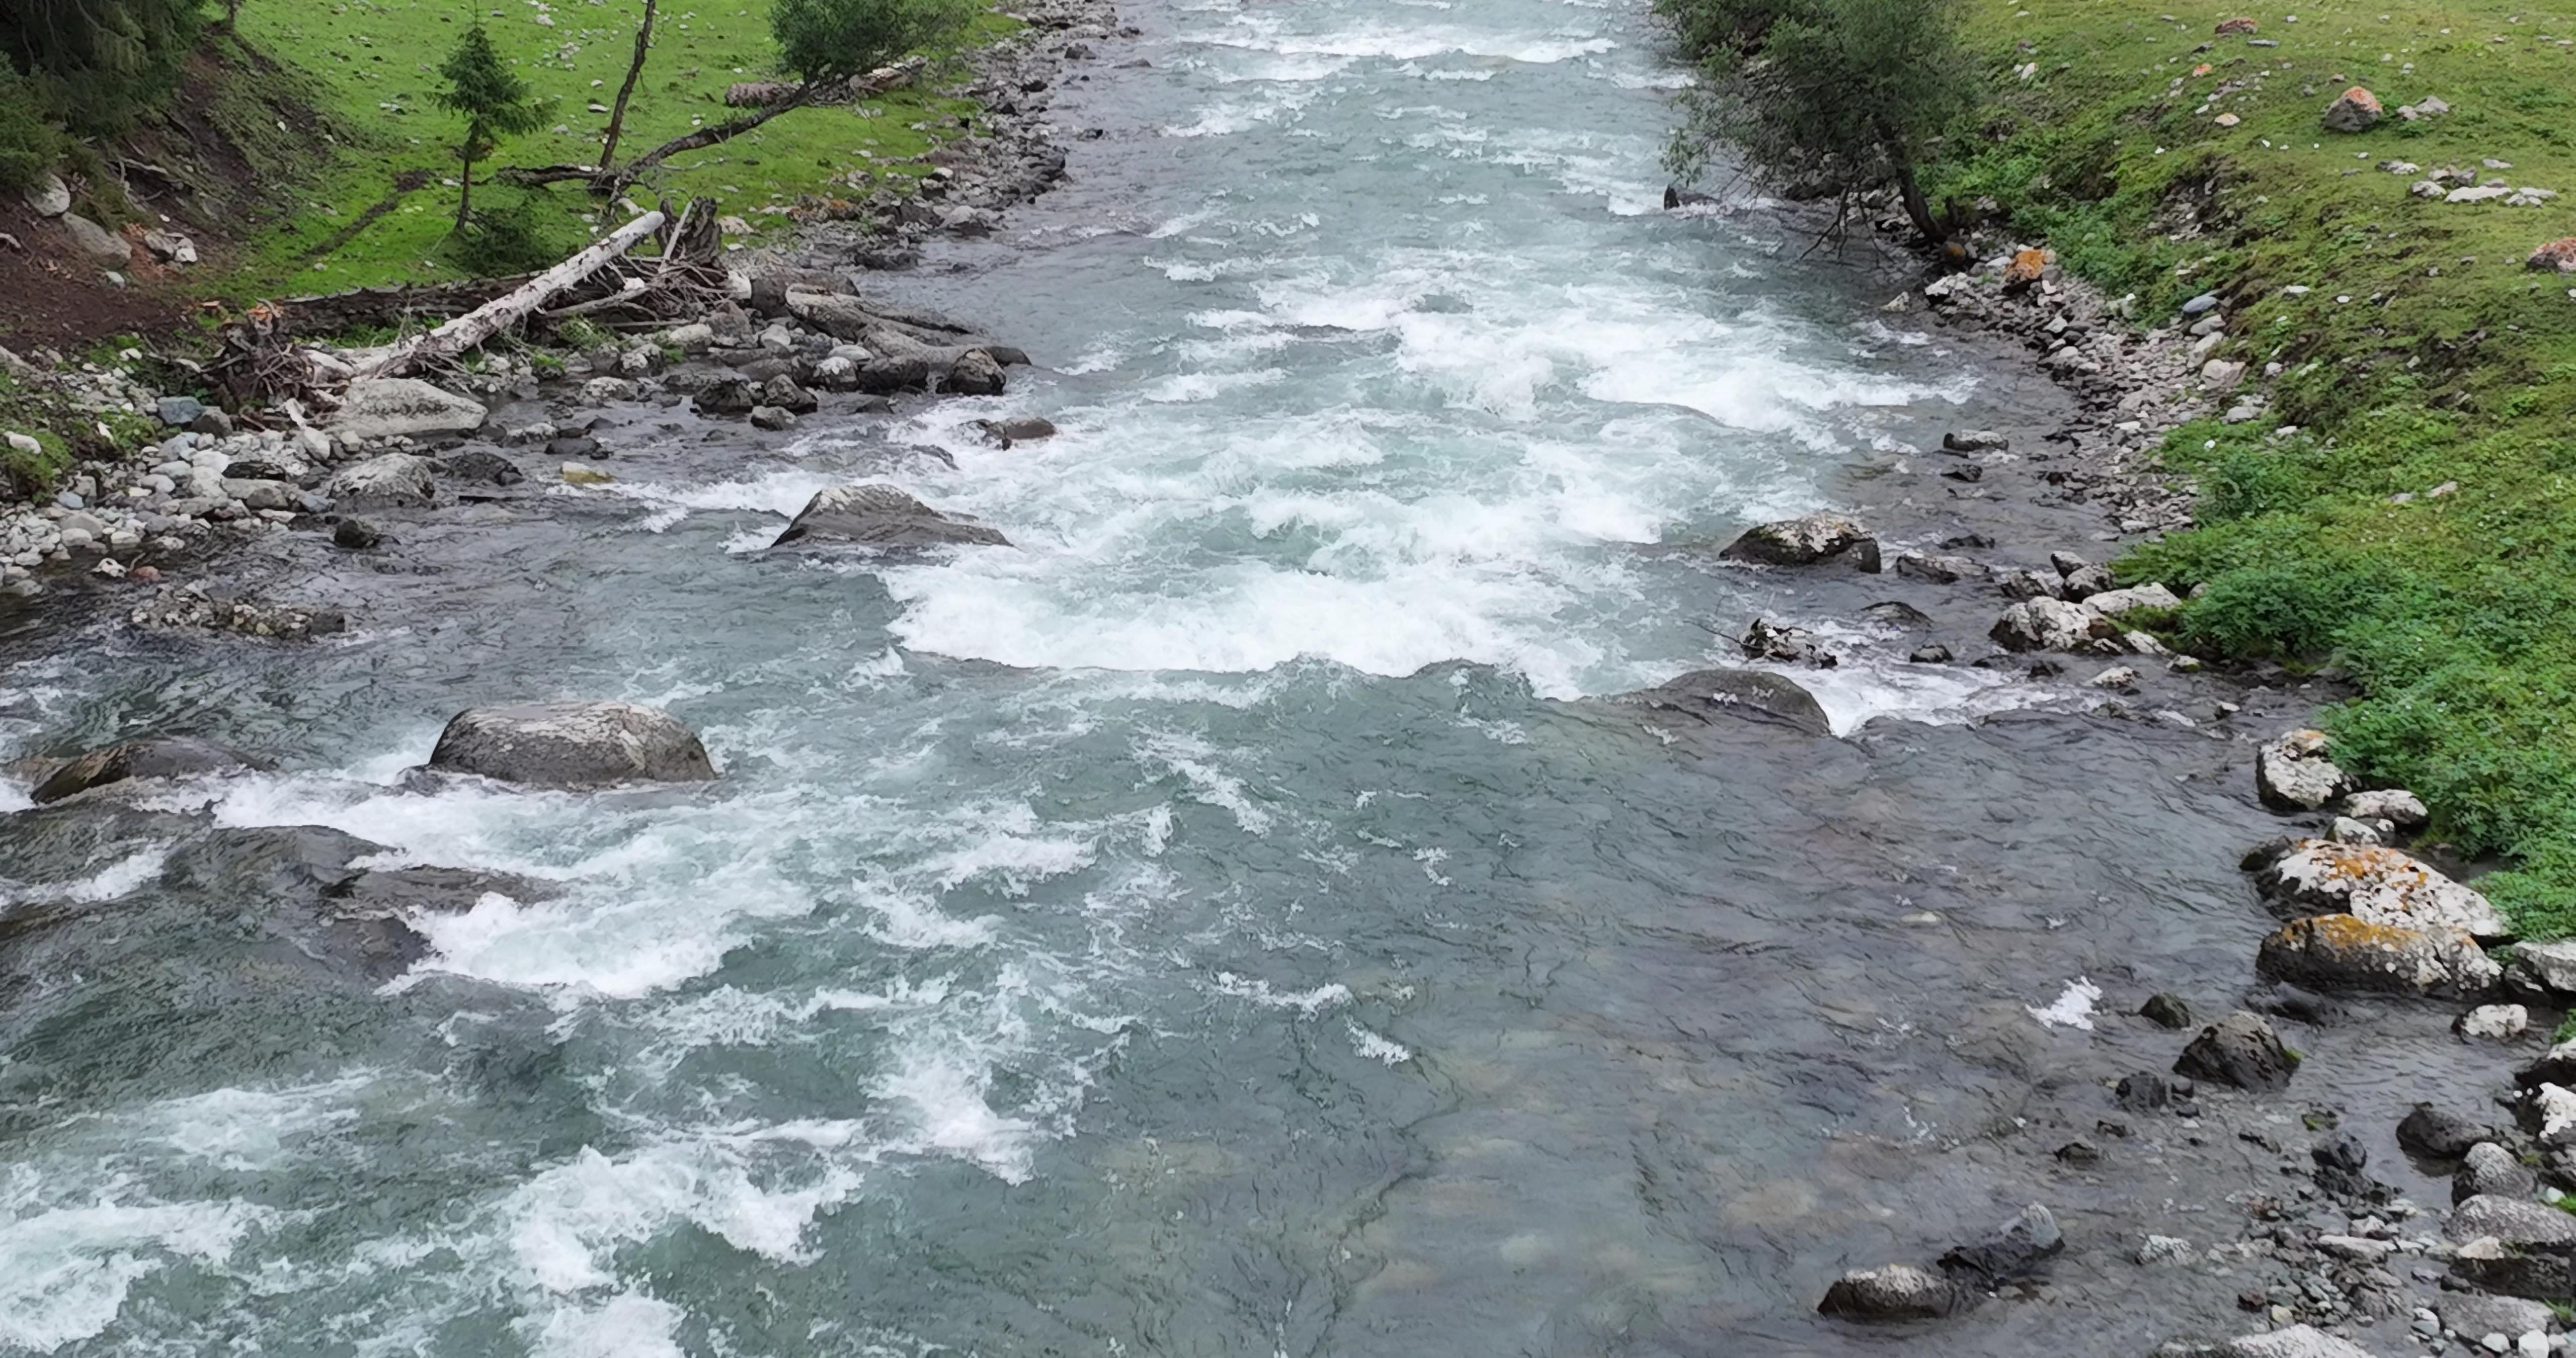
pixel 2416 352
pixel 369 70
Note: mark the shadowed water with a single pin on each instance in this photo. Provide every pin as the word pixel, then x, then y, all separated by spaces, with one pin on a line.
pixel 1226 923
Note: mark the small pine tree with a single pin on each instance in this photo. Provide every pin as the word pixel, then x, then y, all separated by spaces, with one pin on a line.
pixel 495 103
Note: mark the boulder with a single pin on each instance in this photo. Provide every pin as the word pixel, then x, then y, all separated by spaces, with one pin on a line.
pixel 2027 584
pixel 2166 1010
pixel 2241 1050
pixel 2293 773
pixel 385 407
pixel 97 241
pixel 357 535
pixel 837 315
pixel 1974 441
pixel 2548 966
pixel 1756 694
pixel 1017 429
pixel 877 515
pixel 975 373
pixel 260 493
pixel 49 196
pixel 170 247
pixel 2379 884
pixel 2558 256
pixel 2475 1316
pixel 2490 1168
pixel 1768 640
pixel 1801 541
pixel 2296 1341
pixel 771 418
pixel 2556 1067
pixel 2012 1253
pixel 2515 1221
pixel 2397 806
pixel 2354 110
pixel 178 411
pixel 572 744
pixel 1940 570
pixel 2111 603
pixel 2434 1134
pixel 2044 625
pixel 388 479
pixel 151 757
pixel 2084 582
pixel 1891 1292
pixel 2342 953
pixel 2493 1023
pixel 781 391
pixel 727 396
pixel 484 467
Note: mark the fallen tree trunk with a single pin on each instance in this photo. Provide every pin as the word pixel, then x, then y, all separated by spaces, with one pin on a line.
pixel 471 329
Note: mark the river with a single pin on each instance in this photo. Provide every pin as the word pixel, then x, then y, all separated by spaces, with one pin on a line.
pixel 1221 925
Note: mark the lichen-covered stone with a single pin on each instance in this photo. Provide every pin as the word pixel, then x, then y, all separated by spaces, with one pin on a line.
pixel 2346 953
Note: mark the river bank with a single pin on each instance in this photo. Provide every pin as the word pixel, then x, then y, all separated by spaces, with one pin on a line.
pixel 1232 917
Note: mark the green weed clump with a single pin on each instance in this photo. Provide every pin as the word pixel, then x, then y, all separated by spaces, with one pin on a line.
pixel 2417 533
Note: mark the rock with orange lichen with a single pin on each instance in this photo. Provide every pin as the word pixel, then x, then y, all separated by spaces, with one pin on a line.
pixel 2354 110
pixel 2293 773
pixel 2346 953
pixel 2025 269
pixel 2379 885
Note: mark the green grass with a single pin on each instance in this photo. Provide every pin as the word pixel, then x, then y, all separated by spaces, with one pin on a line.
pixel 369 69
pixel 2423 353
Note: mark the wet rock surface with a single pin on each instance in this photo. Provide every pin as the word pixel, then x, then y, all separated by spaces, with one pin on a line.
pixel 572 744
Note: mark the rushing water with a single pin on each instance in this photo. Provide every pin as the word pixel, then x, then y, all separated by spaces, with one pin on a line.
pixel 1205 929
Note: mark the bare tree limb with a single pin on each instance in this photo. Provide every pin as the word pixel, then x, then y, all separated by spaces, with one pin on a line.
pixel 471 329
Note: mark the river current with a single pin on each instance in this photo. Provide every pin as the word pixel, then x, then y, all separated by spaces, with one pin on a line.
pixel 1222 924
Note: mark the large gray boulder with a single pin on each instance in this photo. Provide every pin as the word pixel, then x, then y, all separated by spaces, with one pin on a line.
pixel 1802 541
pixel 2514 1246
pixel 97 241
pixel 2293 773
pixel 2381 885
pixel 2297 1341
pixel 2515 1221
pixel 384 481
pixel 384 407
pixel 572 744
pixel 2476 1316
pixel 877 515
pixel 1756 694
pixel 49 196
pixel 2429 1131
pixel 2549 966
pixel 2344 953
pixel 975 373
pixel 2490 1168
pixel 152 757
pixel 2111 603
pixel 1892 1292
pixel 2241 1050
pixel 2044 625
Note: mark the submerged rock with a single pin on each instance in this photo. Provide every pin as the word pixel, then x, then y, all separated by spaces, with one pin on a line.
pixel 878 515
pixel 385 407
pixel 2014 1252
pixel 1801 541
pixel 572 744
pixel 2345 953
pixel 2430 1132
pixel 152 757
pixel 2381 885
pixel 2241 1050
pixel 1768 640
pixel 1758 694
pixel 1891 1292
pixel 2293 773
pixel 2297 1341
pixel 2166 1009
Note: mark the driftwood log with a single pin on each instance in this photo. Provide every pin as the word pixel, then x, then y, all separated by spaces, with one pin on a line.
pixel 468 331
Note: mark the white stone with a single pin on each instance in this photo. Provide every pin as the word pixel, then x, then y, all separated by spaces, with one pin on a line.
pixel 49 196
pixel 385 407
pixel 2114 602
pixel 2382 886
pixel 2494 1022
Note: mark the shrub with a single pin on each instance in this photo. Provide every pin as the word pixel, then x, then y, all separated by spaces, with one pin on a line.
pixel 29 142
pixel 509 239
